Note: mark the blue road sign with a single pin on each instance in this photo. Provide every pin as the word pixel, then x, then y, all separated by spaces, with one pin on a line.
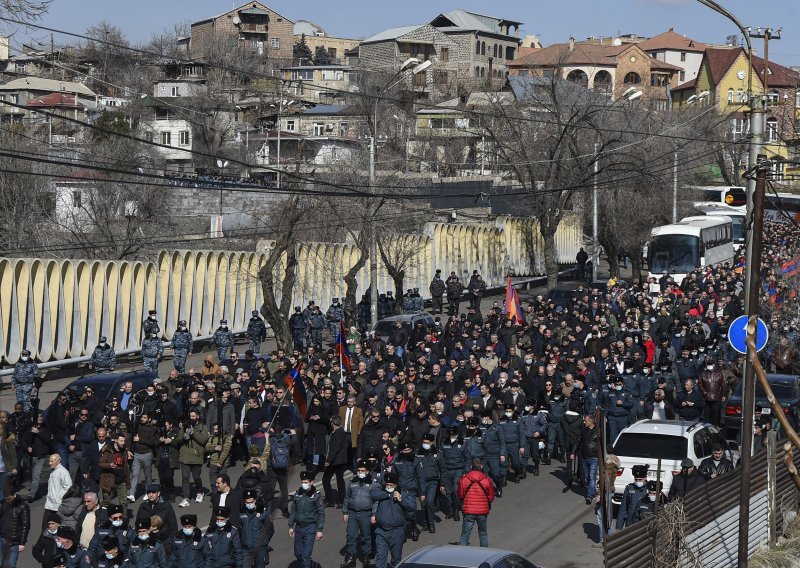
pixel 737 334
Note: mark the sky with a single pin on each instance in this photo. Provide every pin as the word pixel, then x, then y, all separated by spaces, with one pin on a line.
pixel 553 20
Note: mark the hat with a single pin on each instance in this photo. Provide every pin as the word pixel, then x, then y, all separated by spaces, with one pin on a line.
pixel 223 322
pixel 143 523
pixel 334 300
pixel 428 436
pixel 306 476
pixel 222 512
pixel 362 464
pixel 189 520
pixel 653 485
pixel 687 462
pixel 236 386
pixel 640 470
pixel 110 542
pixel 390 477
pixel 153 488
pixel 152 312
pixel 103 339
pixel 255 313
pixel 69 532
pixel 53 517
pixel 26 352
pixel 115 510
pixel 182 322
pixel 239 370
pixel 406 446
pixel 251 494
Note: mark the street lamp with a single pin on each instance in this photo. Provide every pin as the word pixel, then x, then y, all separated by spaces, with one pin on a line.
pixel 279 108
pixel 415 66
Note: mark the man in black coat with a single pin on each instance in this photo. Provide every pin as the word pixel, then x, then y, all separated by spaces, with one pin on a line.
pixel 689 402
pixel 336 463
pixel 154 505
pixel 226 496
pixel 687 480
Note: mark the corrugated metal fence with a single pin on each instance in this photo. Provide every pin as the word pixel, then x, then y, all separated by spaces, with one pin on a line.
pixel 710 518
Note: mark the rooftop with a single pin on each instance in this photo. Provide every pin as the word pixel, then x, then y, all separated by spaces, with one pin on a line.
pixel 669 40
pixel 47 85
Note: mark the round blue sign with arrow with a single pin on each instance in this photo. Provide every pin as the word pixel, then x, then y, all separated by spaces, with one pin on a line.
pixel 737 334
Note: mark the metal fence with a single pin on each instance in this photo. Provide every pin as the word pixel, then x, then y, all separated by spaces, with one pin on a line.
pixel 709 519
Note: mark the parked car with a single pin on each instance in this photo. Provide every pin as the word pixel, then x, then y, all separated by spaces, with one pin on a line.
pixel 561 296
pixel 450 556
pixel 385 327
pixel 672 441
pixel 786 389
pixel 107 385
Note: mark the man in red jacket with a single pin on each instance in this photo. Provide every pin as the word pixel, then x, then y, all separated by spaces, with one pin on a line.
pixel 476 492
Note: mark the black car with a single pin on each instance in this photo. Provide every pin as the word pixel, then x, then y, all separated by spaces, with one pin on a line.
pixel 107 385
pixel 561 296
pixel 786 389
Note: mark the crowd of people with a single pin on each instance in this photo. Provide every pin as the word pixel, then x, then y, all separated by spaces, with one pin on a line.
pixel 430 421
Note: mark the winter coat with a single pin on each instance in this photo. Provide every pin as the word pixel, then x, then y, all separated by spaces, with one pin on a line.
pixel 407 479
pixel 20 524
pixel 683 484
pixel 103 357
pixel 163 510
pixel 256 330
pixel 25 373
pixel 57 486
pixel 338 442
pixel 256 528
pixel 454 455
pixel 193 446
pixel 389 513
pixel 358 497
pixel 194 551
pixel 370 439
pixel 571 424
pixel 71 506
pixel 146 554
pixel 152 347
pixel 221 456
pixel 222 338
pixel 307 509
pixel 476 491
pixel 107 473
pixel 512 430
pixel 226 547
pixel 494 441
pixel 182 340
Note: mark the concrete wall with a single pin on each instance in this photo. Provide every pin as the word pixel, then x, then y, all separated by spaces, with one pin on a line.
pixel 58 308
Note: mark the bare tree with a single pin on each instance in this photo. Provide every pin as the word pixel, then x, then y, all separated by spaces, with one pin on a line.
pixel 26 10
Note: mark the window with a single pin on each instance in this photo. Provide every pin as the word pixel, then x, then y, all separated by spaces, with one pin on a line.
pixel 494 51
pixel 682 76
pixel 777 170
pixel 702 443
pixel 290 125
pixel 76 198
pixel 420 79
pixel 578 77
pixel 483 48
pixel 332 75
pixel 740 127
pixel 148 136
pixel 659 105
pixel 444 54
pixel 166 138
pixel 658 80
pixel 319 129
pixel 332 53
pixel 184 137
pixel 477 71
pixel 477 48
pixel 730 95
pixel 797 99
pixel 303 74
pixel 276 43
pixel 740 96
pixel 483 72
pixel 654 446
pixel 772 129
pixel 632 78
pixel 344 128
pixel 683 56
pixel 773 97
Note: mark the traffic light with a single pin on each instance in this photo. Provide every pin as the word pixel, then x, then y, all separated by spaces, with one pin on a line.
pixel 735 197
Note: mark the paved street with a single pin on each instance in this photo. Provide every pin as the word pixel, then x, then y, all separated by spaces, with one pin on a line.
pixel 533 518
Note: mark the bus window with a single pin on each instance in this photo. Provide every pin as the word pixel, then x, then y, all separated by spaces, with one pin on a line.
pixel 675 254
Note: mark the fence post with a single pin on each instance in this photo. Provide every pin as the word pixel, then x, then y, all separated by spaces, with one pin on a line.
pixel 772 488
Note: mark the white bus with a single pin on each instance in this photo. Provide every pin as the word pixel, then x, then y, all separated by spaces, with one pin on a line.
pixel 737 215
pixel 693 242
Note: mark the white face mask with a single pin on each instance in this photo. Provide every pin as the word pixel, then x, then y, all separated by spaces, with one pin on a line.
pixel 362 475
pixel 188 532
pixel 144 536
pixel 116 523
pixel 528 408
pixel 426 446
pixel 250 506
pixel 639 483
pixel 24 358
pixel 710 367
pixel 153 317
pixel 651 497
pixel 390 489
pixel 528 361
pixel 453 438
pixel 305 486
pixel 110 556
pixel 222 523
pixel 59 544
pixel 509 414
pixel 618 387
pixel 52 532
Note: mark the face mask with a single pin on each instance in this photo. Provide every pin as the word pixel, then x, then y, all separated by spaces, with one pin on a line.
pixel 58 544
pixel 618 387
pixel 305 486
pixel 646 371
pixel 362 475
pixel 221 524
pixel 52 532
pixel 426 446
pixel 485 422
pixel 188 532
pixel 509 414
pixel 710 367
pixel 110 556
pixel 651 497
pixel 151 393
pixel 453 438
pixel 103 344
pixel 528 408
pixel 250 506
pixel 116 523
pixel 694 353
pixel 639 483
pixel 24 358
pixel 390 489
pixel 153 318
pixel 144 536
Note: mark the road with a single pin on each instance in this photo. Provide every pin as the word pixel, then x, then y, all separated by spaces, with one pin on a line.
pixel 534 518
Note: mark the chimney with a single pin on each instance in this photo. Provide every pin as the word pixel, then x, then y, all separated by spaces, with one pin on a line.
pixel 572 43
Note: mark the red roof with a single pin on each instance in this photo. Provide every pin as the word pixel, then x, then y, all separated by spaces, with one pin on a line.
pixel 671 41
pixel 687 85
pixel 720 60
pixel 56 100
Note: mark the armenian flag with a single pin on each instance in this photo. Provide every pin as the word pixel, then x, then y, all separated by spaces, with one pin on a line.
pixel 294 382
pixel 513 308
pixel 342 352
pixel 791 267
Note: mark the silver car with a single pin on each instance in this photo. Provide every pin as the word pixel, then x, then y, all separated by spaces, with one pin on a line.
pixel 451 556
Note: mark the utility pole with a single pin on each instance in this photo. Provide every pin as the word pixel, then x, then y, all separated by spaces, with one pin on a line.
pixel 748 403
pixel 675 186
pixel 373 241
pixel 595 238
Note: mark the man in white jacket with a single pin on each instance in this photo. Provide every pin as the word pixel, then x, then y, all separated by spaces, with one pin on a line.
pixel 58 484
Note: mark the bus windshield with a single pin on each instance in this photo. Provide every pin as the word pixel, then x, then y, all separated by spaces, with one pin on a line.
pixel 738 229
pixel 675 254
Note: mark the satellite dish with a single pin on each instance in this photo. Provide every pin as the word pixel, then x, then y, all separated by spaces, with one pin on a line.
pixel 236 20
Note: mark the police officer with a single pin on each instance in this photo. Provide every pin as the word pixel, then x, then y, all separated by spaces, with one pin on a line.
pixel 316 323
pixel 144 550
pixel 392 507
pixel 494 444
pixel 299 328
pixel 256 332
pixel 357 513
pixel 419 303
pixel 408 302
pixel 257 530
pixel 189 547
pixel 437 290
pixel 645 507
pixel 513 432
pixel 306 519
pixel 391 303
pixel 429 477
pixel 632 495
pixel 222 339
pixel 150 324
pixel 115 528
pixel 104 358
pixel 533 435
pixel 383 307
pixel 618 408
pixel 224 540
pixel 406 471
pixel 473 440
pixel 182 343
pixel 24 378
pixel 555 433
pixel 454 463
pixel 454 290
pixel 111 555
pixel 334 317
pixel 152 351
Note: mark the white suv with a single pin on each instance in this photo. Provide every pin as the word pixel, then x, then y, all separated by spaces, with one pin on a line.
pixel 646 441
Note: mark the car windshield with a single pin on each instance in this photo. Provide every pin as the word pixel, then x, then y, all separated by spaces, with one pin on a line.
pixel 783 390
pixel 653 446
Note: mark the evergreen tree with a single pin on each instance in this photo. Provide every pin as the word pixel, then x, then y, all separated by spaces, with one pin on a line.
pixel 321 56
pixel 301 53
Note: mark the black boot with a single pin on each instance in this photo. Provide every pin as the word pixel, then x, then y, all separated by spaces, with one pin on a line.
pixel 536 470
pixel 456 515
pixel 432 528
pixel 349 562
pixel 498 488
pixel 546 459
pixel 522 474
pixel 414 532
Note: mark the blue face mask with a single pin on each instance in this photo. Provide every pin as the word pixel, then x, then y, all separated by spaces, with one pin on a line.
pixel 222 523
pixel 144 536
pixel 188 532
pixel 250 506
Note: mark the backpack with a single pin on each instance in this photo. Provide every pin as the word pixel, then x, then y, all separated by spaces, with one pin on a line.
pixel 279 452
